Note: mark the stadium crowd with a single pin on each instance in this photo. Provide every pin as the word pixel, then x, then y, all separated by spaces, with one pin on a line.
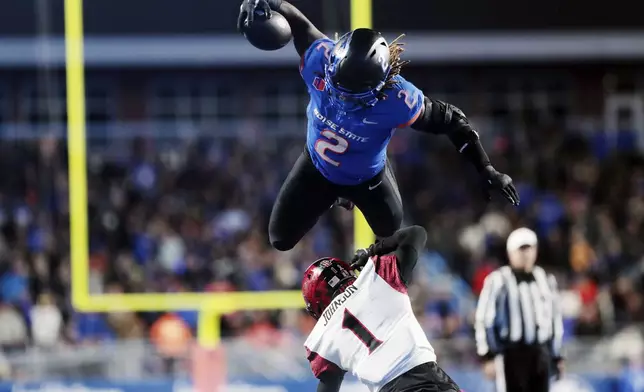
pixel 192 216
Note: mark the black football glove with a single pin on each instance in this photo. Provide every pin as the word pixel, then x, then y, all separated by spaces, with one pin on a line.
pixel 500 182
pixel 361 256
pixel 360 259
pixel 250 8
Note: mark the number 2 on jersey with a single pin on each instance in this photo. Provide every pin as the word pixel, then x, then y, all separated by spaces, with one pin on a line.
pixel 410 99
pixel 323 145
pixel 350 322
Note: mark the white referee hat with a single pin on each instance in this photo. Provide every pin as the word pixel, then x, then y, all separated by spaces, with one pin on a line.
pixel 521 237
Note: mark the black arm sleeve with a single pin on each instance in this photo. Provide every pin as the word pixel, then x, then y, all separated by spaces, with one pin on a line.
pixel 406 244
pixel 304 32
pixel 443 118
pixel 330 382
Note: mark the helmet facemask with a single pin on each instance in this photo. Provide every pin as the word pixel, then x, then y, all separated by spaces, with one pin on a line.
pixel 356 97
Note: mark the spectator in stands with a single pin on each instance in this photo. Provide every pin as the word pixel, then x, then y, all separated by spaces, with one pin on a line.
pixel 46 322
pixel 126 325
pixel 13 329
pixel 193 217
pixel 5 368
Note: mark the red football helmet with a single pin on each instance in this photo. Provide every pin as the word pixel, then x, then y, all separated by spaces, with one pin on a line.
pixel 322 281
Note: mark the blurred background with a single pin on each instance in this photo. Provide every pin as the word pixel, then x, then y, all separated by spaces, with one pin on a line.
pixel 191 131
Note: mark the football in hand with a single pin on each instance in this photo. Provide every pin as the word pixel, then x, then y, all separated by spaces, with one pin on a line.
pixel 268 34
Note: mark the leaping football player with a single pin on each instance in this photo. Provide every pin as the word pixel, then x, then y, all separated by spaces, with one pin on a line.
pixel 357 100
pixel 366 325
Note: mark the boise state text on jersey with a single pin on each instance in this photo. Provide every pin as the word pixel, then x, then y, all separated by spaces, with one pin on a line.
pixel 349 148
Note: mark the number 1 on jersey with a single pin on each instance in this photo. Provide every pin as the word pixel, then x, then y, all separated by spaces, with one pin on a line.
pixel 339 147
pixel 350 322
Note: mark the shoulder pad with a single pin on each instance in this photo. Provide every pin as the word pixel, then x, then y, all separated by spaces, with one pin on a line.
pixel 314 59
pixel 405 102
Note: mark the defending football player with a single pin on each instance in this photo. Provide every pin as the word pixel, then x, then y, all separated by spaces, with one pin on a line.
pixel 366 325
pixel 357 100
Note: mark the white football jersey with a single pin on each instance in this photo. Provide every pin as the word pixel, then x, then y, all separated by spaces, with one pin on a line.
pixel 370 329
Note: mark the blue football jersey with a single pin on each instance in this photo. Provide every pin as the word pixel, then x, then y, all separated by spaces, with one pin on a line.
pixel 349 148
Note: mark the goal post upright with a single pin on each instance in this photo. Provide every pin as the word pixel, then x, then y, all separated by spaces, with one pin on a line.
pixel 361 17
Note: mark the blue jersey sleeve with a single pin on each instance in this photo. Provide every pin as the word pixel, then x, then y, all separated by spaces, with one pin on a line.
pixel 405 103
pixel 313 61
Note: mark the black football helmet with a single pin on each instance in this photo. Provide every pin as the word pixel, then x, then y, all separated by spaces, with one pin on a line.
pixel 357 69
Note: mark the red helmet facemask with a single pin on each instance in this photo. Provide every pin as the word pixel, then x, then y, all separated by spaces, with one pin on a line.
pixel 322 281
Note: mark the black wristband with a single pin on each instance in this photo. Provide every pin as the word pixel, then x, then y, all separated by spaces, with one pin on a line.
pixel 475 153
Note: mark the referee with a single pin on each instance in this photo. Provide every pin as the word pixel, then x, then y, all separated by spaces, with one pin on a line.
pixel 518 322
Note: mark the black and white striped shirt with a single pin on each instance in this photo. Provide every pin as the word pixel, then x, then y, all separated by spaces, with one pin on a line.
pixel 518 308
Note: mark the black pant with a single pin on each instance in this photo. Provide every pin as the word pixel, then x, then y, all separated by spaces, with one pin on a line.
pixel 306 195
pixel 428 377
pixel 523 369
